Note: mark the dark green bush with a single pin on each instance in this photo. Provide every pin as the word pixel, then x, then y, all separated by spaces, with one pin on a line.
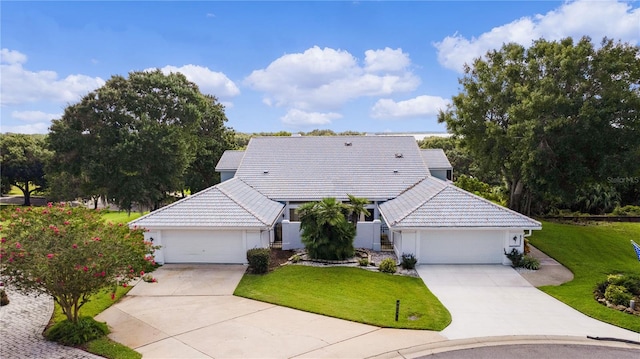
pixel 409 261
pixel 69 333
pixel 259 259
pixel 618 295
pixel 363 262
pixel 630 282
pixel 515 256
pixel 530 262
pixel 388 266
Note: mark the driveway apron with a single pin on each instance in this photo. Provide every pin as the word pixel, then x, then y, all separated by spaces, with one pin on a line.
pixel 494 300
pixel 191 313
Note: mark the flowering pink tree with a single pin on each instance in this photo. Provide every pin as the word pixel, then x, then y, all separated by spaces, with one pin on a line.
pixel 69 253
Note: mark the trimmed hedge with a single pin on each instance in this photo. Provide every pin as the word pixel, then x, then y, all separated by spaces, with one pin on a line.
pixel 259 260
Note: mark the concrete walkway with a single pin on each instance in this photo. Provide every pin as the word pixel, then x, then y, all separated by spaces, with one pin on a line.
pixel 21 325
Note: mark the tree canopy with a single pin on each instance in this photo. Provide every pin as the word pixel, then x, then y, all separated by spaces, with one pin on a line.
pixel 137 139
pixel 552 118
pixel 23 159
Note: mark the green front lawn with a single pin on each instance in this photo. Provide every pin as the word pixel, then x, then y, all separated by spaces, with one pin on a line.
pixel 591 252
pixel 120 216
pixel 349 293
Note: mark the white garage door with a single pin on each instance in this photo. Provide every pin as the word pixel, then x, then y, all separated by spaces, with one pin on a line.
pixel 203 247
pixel 461 247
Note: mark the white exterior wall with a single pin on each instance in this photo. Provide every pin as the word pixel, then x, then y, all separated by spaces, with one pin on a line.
pixel 466 246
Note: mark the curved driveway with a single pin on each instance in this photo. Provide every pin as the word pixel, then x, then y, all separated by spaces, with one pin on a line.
pixel 495 300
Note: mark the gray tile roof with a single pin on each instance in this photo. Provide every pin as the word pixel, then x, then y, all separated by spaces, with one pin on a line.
pixel 229 204
pixel 435 158
pixel 435 204
pixel 230 160
pixel 311 168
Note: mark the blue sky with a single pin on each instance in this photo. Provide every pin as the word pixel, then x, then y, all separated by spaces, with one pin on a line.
pixel 361 65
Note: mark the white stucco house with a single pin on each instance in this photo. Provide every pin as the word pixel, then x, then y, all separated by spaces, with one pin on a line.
pixel 415 208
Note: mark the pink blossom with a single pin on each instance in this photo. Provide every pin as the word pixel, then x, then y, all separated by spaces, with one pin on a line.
pixel 50 255
pixel 113 296
pixel 141 273
pixel 96 239
pixel 66 223
pixel 49 204
pixel 124 285
pixel 18 245
pixel 3 240
pixel 85 268
pixel 74 246
pixel 103 273
pixel 18 209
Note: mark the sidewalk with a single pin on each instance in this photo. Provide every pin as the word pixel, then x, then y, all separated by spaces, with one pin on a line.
pixel 21 325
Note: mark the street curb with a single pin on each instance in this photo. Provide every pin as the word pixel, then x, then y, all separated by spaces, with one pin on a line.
pixel 461 344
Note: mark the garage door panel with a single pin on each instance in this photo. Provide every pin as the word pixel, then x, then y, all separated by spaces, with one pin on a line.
pixel 461 247
pixel 203 247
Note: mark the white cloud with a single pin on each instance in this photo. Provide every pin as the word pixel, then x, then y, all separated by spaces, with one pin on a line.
pixel 210 82
pixel 386 60
pixel 597 19
pixel 420 106
pixel 32 116
pixel 20 85
pixel 325 79
pixel 298 118
pixel 40 127
pixel 12 57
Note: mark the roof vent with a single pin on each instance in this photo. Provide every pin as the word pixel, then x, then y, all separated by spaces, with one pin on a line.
pixel 399 155
pixel 395 171
pixel 265 172
pixel 348 144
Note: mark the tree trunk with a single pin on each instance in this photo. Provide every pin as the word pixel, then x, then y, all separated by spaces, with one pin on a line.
pixel 515 198
pixel 27 194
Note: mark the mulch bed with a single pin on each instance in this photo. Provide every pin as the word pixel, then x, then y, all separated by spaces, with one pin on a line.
pixel 279 257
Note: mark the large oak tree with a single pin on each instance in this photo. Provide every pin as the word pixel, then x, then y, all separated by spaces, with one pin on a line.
pixel 552 118
pixel 22 163
pixel 140 138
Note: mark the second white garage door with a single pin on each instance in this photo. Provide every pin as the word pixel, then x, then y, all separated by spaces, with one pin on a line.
pixel 203 247
pixel 462 247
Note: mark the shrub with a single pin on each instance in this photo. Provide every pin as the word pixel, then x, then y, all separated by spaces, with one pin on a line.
pixel 363 262
pixel 530 262
pixel 387 265
pixel 627 211
pixel 259 259
pixel 295 258
pixel 630 282
pixel 515 256
pixel 68 333
pixel 618 295
pixel 409 261
pixel 4 299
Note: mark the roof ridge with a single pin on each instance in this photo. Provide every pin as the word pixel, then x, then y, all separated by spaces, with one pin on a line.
pixel 500 207
pixel 422 202
pixel 241 204
pixel 162 209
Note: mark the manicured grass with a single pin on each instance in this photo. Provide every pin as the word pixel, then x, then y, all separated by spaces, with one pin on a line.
pixel 591 252
pixel 120 216
pixel 104 347
pixel 349 293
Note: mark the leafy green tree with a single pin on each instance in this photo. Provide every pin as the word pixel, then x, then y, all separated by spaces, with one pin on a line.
pixel 326 230
pixel 481 189
pixel 23 161
pixel 135 139
pixel 550 118
pixel 69 254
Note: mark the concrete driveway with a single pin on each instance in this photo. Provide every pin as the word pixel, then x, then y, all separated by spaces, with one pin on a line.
pixel 495 300
pixel 191 313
